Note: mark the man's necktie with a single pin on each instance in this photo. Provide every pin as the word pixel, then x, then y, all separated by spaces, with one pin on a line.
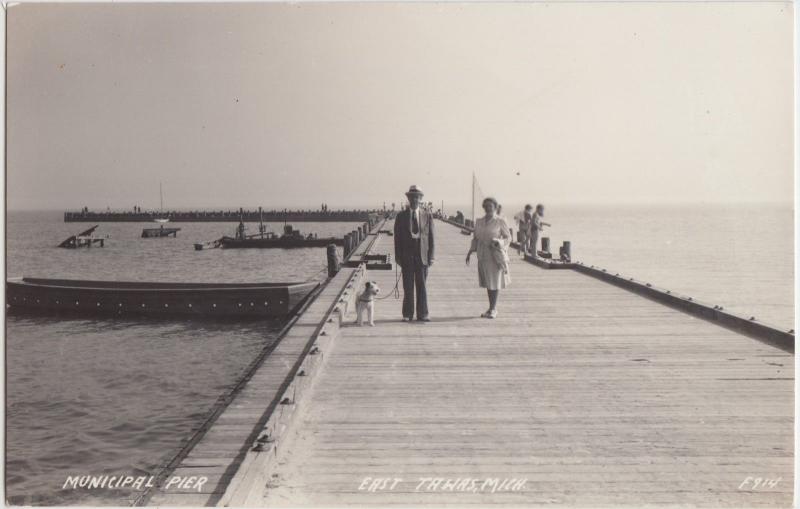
pixel 414 224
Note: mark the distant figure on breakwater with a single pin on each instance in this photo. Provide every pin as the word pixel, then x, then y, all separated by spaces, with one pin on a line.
pixel 413 251
pixel 491 233
pixel 536 226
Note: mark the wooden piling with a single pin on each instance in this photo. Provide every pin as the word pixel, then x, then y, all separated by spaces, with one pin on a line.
pixel 333 260
pixel 347 245
pixel 565 252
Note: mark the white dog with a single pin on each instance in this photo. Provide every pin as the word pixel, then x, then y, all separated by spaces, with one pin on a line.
pixel 365 301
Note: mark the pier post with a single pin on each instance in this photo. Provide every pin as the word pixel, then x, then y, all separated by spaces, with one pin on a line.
pixel 546 244
pixel 566 251
pixel 333 260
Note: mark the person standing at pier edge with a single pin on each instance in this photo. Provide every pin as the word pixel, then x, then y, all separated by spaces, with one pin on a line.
pixel 413 251
pixel 536 226
pixel 524 219
pixel 490 229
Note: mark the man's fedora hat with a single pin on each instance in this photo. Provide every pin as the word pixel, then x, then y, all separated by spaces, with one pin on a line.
pixel 414 190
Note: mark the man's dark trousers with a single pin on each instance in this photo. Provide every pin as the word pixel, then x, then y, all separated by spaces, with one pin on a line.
pixel 415 276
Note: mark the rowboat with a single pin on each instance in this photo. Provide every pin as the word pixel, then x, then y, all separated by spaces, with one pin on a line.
pixel 124 298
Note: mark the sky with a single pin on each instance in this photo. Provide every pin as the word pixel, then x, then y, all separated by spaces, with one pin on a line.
pixel 294 105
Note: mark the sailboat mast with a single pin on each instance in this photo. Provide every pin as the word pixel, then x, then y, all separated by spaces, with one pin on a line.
pixel 261 222
pixel 161 194
pixel 473 198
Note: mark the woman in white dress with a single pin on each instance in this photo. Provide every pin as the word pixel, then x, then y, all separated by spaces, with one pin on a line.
pixel 491 274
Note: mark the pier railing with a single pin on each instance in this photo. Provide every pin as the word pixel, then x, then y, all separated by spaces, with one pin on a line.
pixel 354 238
pixel 748 325
pixel 304 340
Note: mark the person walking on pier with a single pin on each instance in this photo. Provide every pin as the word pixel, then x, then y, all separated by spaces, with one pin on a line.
pixel 413 252
pixel 491 232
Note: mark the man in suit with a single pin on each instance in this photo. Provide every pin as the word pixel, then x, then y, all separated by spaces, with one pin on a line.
pixel 413 251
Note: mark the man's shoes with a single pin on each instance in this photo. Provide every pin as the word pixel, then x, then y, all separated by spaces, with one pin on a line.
pixel 406 318
pixel 424 319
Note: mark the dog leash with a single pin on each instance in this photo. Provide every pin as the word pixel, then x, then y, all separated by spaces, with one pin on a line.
pixel 396 290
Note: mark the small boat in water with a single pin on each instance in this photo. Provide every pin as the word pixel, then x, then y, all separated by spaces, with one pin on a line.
pixel 291 239
pixel 124 298
pixel 149 233
pixel 161 217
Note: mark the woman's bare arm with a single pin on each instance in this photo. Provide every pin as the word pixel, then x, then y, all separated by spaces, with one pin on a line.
pixel 473 246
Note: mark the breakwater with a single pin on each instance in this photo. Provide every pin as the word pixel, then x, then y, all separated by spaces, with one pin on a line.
pixel 354 215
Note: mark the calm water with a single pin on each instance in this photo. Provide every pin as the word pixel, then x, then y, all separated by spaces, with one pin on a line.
pixel 740 257
pixel 112 396
pixel 117 397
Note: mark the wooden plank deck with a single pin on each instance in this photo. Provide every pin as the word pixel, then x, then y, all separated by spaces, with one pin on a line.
pixel 593 394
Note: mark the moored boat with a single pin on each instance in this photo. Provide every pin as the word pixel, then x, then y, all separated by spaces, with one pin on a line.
pixel 148 233
pixel 124 298
pixel 278 242
pixel 291 239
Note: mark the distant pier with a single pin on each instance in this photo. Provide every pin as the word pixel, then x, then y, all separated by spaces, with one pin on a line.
pixel 200 216
pixel 589 389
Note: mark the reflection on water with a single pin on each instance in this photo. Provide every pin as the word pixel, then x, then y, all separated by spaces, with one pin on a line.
pixel 94 396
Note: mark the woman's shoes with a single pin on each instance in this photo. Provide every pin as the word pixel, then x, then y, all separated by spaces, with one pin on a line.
pixel 490 313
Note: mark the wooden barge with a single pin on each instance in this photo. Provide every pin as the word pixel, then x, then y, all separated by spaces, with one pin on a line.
pixel 278 242
pixel 121 298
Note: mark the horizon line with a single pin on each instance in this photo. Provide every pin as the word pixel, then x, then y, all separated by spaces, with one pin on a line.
pixel 436 205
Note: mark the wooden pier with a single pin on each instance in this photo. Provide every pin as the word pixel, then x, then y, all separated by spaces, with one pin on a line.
pixel 590 393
